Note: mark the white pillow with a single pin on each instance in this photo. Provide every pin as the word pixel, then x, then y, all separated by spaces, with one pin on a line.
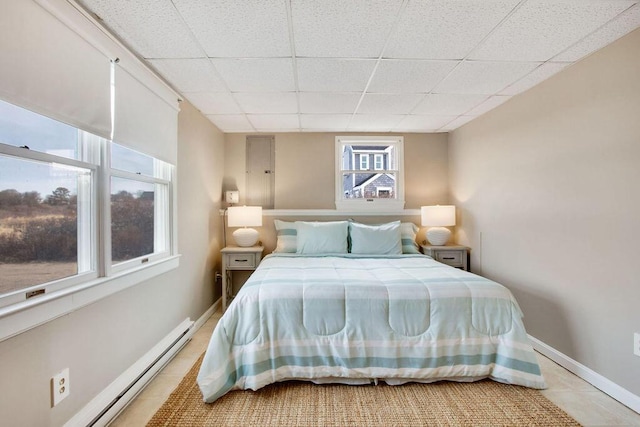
pixel 322 237
pixel 286 236
pixel 383 239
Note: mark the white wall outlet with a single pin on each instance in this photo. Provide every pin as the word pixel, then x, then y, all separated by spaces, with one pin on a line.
pixel 636 344
pixel 60 387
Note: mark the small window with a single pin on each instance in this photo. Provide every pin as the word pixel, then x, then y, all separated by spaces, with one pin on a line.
pixel 362 189
pixel 364 161
pixel 378 161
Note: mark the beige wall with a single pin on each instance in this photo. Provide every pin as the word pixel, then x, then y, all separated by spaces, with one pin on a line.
pixel 305 169
pixel 546 188
pixel 100 341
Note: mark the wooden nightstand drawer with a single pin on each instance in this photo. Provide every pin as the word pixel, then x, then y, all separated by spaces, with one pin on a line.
pixel 452 255
pixel 236 258
pixel 452 258
pixel 242 260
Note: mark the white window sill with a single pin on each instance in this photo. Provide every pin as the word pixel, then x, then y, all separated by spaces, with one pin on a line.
pixel 334 212
pixel 370 205
pixel 21 317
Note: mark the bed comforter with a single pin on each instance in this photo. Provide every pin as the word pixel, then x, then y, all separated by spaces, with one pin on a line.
pixel 351 319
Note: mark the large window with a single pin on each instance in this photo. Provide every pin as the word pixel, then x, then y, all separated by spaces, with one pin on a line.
pixel 52 185
pixel 358 187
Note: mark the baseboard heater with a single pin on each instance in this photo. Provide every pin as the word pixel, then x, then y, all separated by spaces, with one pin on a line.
pixel 112 400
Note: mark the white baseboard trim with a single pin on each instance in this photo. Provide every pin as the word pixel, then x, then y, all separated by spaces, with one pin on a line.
pixel 206 315
pixel 102 409
pixel 111 400
pixel 607 386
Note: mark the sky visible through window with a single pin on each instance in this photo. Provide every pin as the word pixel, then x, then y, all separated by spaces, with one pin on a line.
pixel 21 127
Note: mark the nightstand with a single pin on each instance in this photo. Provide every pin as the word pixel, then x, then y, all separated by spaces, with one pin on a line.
pixel 453 255
pixel 237 258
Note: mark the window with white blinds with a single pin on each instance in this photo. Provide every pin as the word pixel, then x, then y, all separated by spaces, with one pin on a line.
pixel 88 146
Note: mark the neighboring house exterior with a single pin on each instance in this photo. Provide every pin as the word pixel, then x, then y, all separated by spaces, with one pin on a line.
pixel 369 177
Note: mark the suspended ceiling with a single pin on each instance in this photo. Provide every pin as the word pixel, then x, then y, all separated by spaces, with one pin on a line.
pixel 359 65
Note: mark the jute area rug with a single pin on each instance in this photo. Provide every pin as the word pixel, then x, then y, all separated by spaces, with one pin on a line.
pixel 483 403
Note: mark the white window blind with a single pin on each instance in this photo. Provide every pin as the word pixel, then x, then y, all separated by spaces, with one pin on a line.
pixel 144 120
pixel 48 68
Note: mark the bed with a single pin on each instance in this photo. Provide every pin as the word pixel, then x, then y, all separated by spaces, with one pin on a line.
pixel 360 318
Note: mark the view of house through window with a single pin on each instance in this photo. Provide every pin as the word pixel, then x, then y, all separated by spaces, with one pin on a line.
pixel 364 181
pixel 369 173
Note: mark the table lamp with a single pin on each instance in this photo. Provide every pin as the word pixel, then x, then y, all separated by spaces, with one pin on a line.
pixel 438 217
pixel 245 216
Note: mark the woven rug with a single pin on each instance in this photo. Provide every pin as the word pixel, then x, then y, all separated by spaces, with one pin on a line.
pixel 483 403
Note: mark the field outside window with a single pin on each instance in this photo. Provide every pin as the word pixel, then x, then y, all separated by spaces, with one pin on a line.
pixel 51 206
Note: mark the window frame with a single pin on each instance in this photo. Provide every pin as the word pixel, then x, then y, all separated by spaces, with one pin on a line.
pixel 96 235
pixel 162 213
pixel 376 204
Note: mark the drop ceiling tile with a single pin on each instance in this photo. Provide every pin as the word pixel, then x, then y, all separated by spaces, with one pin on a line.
pixel 374 122
pixel 213 102
pixel 342 29
pixel 257 75
pixel 238 29
pixel 456 123
pixel 487 105
pixel 613 30
pixel 477 77
pixel 269 103
pixel 539 30
pixel 541 73
pixel 325 122
pixel 382 103
pixel 189 75
pixel 407 76
pixel 152 28
pixel 274 122
pixel 231 122
pixel 448 104
pixel 326 102
pixel 422 123
pixel 333 75
pixel 445 29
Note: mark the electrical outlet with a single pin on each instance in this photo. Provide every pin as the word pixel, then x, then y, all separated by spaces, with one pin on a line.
pixel 60 387
pixel 636 344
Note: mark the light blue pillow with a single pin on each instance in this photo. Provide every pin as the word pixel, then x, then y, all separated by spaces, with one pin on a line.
pixel 408 231
pixel 287 239
pixel 383 239
pixel 322 237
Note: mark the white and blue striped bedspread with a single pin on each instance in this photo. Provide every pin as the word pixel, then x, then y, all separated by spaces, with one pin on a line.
pixel 357 319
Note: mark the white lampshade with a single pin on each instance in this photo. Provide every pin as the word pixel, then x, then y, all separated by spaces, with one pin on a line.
pixel 245 216
pixel 438 217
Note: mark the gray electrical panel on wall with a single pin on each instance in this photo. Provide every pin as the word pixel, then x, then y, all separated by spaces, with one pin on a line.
pixel 260 166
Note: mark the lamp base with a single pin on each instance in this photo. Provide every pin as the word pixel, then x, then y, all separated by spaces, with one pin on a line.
pixel 438 236
pixel 246 237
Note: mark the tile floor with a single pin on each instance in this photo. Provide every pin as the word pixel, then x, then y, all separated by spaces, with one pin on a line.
pixel 585 403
